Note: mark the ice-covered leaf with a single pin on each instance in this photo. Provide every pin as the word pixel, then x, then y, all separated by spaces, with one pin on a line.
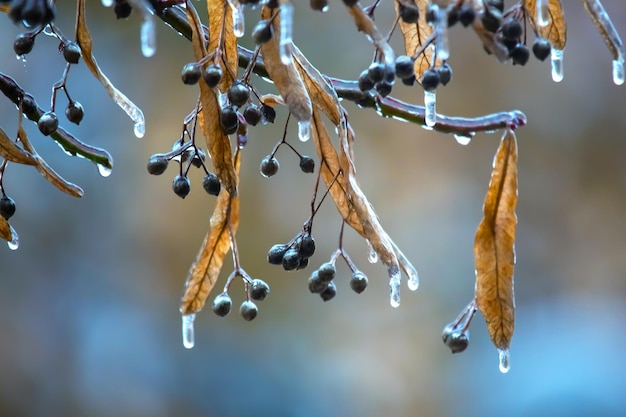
pixel 556 29
pixel 83 37
pixel 603 22
pixel 366 25
pixel 10 151
pixel 217 141
pixel 494 245
pixel 415 34
pixel 206 268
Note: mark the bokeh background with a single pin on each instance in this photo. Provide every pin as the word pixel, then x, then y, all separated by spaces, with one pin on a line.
pixel 89 321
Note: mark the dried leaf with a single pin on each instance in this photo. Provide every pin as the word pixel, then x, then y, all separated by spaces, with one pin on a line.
pixel 221 29
pixel 285 77
pixel 218 143
pixel 10 151
pixel 366 25
pixel 5 230
pixel 415 35
pixel 494 246
pixel 603 22
pixel 489 39
pixel 556 30
pixel 83 37
pixel 47 172
pixel 206 268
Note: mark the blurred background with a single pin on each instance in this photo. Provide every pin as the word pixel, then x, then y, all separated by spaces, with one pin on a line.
pixel 89 318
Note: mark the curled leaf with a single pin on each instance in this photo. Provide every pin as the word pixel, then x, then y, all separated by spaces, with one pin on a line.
pixel 556 30
pixel 494 246
pixel 10 151
pixel 206 268
pixel 603 22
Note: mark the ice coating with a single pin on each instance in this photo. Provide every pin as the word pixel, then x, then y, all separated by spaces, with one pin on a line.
pixel 618 70
pixel 148 36
pixel 441 32
pixel 430 105
pixel 543 13
pixel 14 243
pixel 286 28
pixel 304 130
pixel 188 330
pixel 504 360
pixel 394 289
pixel 557 65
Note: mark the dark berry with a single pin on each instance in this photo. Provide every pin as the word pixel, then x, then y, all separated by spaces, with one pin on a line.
pixel 276 253
pixel 492 20
pixel 304 262
pixel 307 164
pixel 512 29
pixel 269 166
pixel 329 292
pixel 157 164
pixel 74 112
pixel 383 88
pixel 222 304
pixel 291 259
pixel 198 157
pixel 404 67
pixel 252 114
pixel 229 120
pixel 542 48
pixel 376 72
pixel 358 282
pixel 272 4
pixel 48 123
pixel 456 340
pixel 262 32
pixel 453 17
pixel 7 207
pixel 211 184
pixel 238 94
pixel 259 290
pixel 122 9
pixel 248 310
pixel 181 186
pixel 409 13
pixel 520 54
pixel 409 81
pixel 269 114
pixel 327 272
pixel 430 79
pixel 350 3
pixel 509 43
pixel 319 5
pixel 212 75
pixel 445 73
pixel 365 83
pixel 306 247
pixel 191 73
pixel 32 13
pixel 467 15
pixel 23 44
pixel 29 104
pixel 71 52
pixel 316 284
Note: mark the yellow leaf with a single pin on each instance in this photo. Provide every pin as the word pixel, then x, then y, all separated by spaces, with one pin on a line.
pixel 415 34
pixel 5 230
pixel 494 246
pixel 205 270
pixel 221 29
pixel 556 30
pixel 10 151
pixel 603 22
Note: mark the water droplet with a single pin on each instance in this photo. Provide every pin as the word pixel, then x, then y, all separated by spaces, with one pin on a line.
pixel 107 3
pixel 286 27
pixel 139 129
pixel 148 37
pixel 304 130
pixel 104 171
pixel 557 65
pixel 618 70
pixel 372 256
pixel 543 13
pixel 430 104
pixel 504 360
pixel 394 290
pixel 463 140
pixel 188 331
pixel 414 280
pixel 21 58
pixel 14 243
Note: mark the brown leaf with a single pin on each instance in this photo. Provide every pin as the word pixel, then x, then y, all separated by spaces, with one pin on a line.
pixel 366 25
pixel 556 30
pixel 83 37
pixel 10 151
pixel 218 143
pixel 489 39
pixel 494 246
pixel 206 268
pixel 221 29
pixel 5 230
pixel 285 77
pixel 603 22
pixel 415 35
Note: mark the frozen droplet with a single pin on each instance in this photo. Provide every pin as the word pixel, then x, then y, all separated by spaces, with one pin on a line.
pixel 238 19
pixel 130 109
pixel 543 13
pixel 139 129
pixel 286 31
pixel 104 171
pixel 14 243
pixel 557 65
pixel 394 290
pixel 304 130
pixel 107 3
pixel 463 139
pixel 504 360
pixel 430 105
pixel 21 58
pixel 441 31
pixel 414 279
pixel 148 37
pixel 188 331
pixel 618 70
pixel 372 256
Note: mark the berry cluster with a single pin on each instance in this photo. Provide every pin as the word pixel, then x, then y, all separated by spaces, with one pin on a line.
pixel 256 290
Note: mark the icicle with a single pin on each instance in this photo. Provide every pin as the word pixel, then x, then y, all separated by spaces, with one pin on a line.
pixel 148 36
pixel 618 70
pixel 188 332
pixel 107 3
pixel 372 256
pixel 394 289
pixel 104 171
pixel 430 104
pixel 504 360
pixel 441 33
pixel 286 27
pixel 238 18
pixel 463 139
pixel 14 243
pixel 304 130
pixel 543 13
pixel 557 65
pixel 414 280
